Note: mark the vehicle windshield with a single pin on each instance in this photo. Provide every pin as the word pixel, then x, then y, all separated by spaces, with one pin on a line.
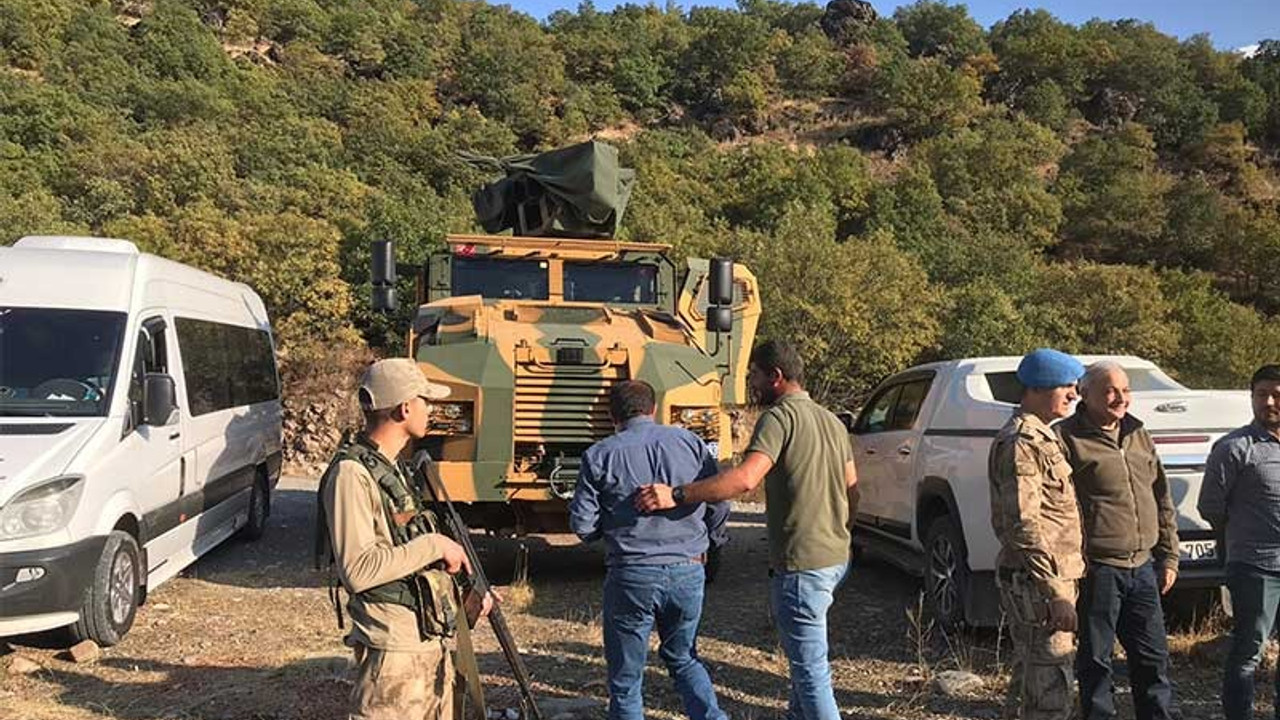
pixel 630 283
pixel 500 279
pixel 58 362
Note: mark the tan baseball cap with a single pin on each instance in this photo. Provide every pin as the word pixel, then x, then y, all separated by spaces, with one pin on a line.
pixel 388 383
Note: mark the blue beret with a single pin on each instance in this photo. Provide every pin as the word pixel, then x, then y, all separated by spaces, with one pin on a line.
pixel 1047 368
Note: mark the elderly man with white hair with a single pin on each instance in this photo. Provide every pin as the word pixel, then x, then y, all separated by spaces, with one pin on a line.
pixel 1131 546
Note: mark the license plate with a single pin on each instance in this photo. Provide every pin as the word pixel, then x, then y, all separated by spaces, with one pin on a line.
pixel 1198 550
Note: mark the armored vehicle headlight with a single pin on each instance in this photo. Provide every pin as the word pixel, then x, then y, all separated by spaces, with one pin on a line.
pixel 452 418
pixel 694 416
pixel 701 421
pixel 43 509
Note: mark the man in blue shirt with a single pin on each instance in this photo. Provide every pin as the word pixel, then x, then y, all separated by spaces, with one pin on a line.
pixel 1241 496
pixel 656 561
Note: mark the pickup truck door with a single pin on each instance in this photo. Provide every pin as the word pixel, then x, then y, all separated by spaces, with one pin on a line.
pixel 902 441
pixel 885 442
pixel 869 454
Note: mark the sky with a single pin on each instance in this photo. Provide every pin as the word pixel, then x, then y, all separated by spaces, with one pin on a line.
pixel 1231 24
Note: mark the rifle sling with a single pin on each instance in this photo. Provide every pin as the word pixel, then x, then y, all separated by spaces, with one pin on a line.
pixel 468 668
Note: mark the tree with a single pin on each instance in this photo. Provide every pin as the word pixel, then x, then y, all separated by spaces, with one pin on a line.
pixel 858 310
pixel 1033 49
pixel 1263 69
pixel 1113 195
pixel 925 97
pixel 1140 74
pixel 725 46
pixel 1221 343
pixel 510 70
pixel 936 29
pixel 1103 309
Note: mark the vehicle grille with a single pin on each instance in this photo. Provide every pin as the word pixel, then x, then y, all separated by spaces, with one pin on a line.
pixel 567 404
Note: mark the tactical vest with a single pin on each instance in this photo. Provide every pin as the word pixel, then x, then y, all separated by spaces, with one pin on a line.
pixel 429 593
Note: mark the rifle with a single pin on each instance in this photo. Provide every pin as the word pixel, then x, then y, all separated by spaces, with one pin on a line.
pixel 478 584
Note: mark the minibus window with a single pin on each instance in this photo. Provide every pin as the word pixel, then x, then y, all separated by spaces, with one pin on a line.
pixel 56 362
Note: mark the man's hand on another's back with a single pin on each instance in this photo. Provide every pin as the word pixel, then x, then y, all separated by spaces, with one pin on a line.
pixel 653 498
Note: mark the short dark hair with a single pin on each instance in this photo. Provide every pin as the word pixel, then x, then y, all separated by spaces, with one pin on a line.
pixel 781 356
pixel 1266 373
pixel 377 418
pixel 631 398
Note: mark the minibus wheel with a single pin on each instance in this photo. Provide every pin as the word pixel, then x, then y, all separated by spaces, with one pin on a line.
pixel 111 601
pixel 259 509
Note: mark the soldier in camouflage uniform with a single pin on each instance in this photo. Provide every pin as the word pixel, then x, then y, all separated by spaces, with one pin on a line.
pixel 397 568
pixel 1035 517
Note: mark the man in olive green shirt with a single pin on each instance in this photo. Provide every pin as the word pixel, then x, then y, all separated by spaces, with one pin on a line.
pixel 801 452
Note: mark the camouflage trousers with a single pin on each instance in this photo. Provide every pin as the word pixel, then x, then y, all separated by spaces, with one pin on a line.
pixel 403 685
pixel 1041 684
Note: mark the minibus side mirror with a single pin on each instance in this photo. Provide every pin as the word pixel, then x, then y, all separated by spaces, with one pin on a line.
pixel 159 400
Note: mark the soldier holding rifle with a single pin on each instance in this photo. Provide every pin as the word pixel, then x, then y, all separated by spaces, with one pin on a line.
pixel 392 557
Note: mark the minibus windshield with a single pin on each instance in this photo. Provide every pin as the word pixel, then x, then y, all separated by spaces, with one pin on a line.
pixel 56 362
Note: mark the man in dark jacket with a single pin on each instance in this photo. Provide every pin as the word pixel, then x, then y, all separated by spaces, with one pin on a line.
pixel 1131 546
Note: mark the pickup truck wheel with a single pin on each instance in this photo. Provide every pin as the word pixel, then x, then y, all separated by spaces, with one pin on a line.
pixel 946 571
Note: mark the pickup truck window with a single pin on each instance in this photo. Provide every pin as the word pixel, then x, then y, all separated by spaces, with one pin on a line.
pixel 875 417
pixel 1006 388
pixel 910 399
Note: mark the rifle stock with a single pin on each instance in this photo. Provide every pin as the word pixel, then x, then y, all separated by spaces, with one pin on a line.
pixel 479 585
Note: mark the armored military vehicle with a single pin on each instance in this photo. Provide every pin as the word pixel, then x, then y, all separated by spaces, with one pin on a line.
pixel 530 333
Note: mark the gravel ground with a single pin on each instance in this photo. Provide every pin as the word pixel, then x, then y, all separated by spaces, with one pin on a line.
pixel 247 633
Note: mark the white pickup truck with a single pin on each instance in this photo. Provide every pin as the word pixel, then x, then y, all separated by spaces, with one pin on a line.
pixel 921 445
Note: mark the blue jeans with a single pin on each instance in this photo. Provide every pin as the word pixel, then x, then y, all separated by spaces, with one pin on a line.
pixel 800 601
pixel 635 597
pixel 1125 603
pixel 1255 596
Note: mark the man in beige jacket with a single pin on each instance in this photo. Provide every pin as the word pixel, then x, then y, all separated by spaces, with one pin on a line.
pixel 389 556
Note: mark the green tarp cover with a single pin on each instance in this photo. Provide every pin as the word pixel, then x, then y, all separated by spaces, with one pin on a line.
pixel 575 191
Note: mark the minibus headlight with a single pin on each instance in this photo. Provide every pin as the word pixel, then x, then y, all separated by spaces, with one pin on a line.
pixel 43 509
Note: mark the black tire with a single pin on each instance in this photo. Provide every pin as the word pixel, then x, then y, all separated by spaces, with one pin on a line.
pixel 111 601
pixel 946 571
pixel 259 511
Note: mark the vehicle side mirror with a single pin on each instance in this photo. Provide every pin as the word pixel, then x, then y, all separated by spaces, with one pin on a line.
pixel 159 400
pixel 721 290
pixel 720 296
pixel 847 419
pixel 382 275
pixel 719 318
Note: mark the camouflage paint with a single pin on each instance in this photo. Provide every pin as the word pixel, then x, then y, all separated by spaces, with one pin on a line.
pixel 537 372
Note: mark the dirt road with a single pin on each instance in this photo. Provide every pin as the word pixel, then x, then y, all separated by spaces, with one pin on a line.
pixel 248 633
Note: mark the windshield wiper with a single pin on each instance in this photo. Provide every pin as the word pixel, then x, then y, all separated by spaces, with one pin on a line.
pixel 29 409
pixel 20 412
